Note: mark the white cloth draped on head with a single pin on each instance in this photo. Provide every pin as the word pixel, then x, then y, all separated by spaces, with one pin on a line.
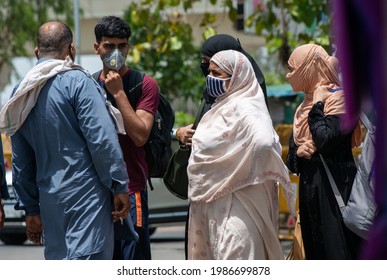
pixel 235 144
pixel 16 110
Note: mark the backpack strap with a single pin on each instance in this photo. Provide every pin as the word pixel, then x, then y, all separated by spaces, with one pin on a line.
pixel 370 130
pixel 133 89
pixel 133 86
pixel 96 75
pixel 367 123
pixel 334 187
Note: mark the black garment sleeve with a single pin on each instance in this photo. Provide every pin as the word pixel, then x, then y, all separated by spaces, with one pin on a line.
pixel 291 158
pixel 326 130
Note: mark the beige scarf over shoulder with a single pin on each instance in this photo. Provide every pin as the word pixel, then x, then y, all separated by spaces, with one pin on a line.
pixel 235 144
pixel 312 67
pixel 16 110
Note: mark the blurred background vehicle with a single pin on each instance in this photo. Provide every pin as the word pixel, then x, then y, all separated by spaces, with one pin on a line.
pixel 14 231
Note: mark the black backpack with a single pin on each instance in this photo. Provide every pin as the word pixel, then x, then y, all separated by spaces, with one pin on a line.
pixel 158 147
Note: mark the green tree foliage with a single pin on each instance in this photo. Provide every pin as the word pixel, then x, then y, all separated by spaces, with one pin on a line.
pixel 286 24
pixel 162 45
pixel 19 21
pixel 163 41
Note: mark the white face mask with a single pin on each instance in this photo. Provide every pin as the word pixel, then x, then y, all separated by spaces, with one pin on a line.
pixel 115 59
pixel 216 86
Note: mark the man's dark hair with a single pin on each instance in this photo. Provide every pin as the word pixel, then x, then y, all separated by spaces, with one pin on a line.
pixel 53 41
pixel 112 27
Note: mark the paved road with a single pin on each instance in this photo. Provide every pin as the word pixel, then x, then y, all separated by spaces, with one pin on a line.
pixel 167 244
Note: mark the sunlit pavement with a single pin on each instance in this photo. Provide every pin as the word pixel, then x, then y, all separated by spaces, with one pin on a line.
pixel 168 240
pixel 166 243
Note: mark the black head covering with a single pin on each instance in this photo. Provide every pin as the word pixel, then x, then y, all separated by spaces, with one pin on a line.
pixel 222 42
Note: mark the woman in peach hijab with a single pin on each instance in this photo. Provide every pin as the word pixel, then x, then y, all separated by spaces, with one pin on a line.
pixel 317 130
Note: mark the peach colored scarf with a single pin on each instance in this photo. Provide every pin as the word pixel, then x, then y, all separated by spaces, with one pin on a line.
pixel 312 67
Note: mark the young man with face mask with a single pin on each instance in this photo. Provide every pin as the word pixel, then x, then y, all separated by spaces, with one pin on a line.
pixel 112 45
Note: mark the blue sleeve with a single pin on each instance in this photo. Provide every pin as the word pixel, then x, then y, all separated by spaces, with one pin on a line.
pixel 99 131
pixel 23 162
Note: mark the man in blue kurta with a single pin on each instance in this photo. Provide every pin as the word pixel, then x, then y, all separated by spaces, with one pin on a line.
pixel 68 167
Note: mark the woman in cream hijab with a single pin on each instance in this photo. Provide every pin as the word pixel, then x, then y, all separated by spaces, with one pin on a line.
pixel 234 169
pixel 317 130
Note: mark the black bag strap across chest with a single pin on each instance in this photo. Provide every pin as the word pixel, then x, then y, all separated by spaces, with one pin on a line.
pixel 132 83
pixel 133 86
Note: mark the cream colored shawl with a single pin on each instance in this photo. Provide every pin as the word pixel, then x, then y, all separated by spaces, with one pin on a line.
pixel 235 144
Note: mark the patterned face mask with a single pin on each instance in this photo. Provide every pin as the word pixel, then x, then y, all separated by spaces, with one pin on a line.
pixel 114 60
pixel 216 86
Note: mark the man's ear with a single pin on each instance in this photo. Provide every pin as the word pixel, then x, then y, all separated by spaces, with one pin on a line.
pixel 36 51
pixel 96 48
pixel 72 52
